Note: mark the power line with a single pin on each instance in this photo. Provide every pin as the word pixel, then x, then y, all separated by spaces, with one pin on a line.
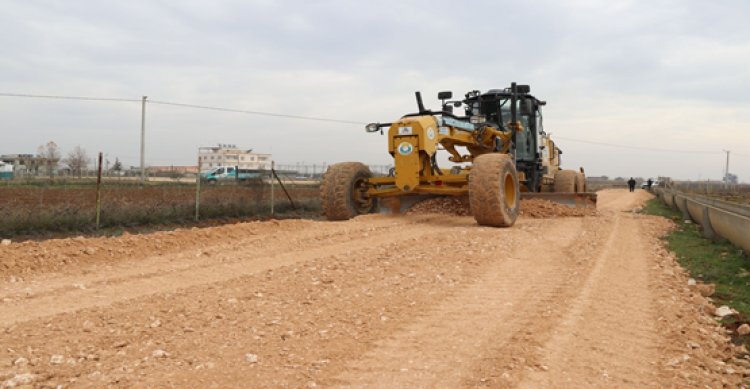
pixel 279 115
pixel 57 97
pixel 321 119
pixel 639 147
pixel 185 105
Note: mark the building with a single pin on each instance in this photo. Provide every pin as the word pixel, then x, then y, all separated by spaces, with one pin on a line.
pixel 171 170
pixel 25 163
pixel 230 155
pixel 6 171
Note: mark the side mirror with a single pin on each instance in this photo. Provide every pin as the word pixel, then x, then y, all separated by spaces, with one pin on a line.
pixel 445 95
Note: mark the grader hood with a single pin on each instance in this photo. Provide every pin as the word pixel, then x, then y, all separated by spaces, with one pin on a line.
pixel 411 140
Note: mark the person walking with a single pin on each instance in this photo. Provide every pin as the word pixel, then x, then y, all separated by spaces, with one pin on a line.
pixel 649 183
pixel 631 184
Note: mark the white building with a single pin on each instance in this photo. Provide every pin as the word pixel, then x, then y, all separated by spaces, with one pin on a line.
pixel 230 155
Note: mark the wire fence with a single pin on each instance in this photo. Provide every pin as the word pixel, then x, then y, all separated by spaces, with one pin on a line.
pixel 35 202
pixel 735 193
pixel 60 204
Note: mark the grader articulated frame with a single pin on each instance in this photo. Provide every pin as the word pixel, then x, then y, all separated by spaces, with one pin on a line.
pixel 501 133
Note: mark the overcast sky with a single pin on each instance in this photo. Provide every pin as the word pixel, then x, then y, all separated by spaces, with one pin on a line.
pixel 671 75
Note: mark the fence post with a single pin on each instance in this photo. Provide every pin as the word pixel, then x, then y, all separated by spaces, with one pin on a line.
pixel 98 190
pixel 143 139
pixel 271 179
pixel 198 190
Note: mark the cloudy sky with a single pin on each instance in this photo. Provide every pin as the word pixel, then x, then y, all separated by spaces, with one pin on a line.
pixel 641 88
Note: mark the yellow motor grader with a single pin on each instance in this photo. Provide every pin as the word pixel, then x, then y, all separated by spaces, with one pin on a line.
pixel 498 150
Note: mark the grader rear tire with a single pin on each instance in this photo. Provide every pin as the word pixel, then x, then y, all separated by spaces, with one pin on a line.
pixel 565 181
pixel 494 191
pixel 342 191
pixel 580 183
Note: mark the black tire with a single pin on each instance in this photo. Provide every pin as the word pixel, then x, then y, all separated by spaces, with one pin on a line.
pixel 580 183
pixel 565 181
pixel 494 191
pixel 342 191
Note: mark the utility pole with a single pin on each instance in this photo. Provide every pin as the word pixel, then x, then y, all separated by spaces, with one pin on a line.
pixel 726 170
pixel 143 139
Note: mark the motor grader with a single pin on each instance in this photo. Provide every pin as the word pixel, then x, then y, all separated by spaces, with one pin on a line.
pixel 498 149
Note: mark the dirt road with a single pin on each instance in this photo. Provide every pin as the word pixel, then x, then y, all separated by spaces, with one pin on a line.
pixel 382 302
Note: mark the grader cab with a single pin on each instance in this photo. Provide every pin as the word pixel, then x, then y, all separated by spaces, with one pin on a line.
pixel 497 149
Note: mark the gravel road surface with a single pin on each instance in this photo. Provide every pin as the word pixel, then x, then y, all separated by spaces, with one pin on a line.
pixel 422 300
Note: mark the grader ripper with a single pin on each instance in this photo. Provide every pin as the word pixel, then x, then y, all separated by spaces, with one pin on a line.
pixel 508 152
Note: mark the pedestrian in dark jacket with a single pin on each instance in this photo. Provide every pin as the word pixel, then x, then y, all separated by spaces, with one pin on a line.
pixel 631 184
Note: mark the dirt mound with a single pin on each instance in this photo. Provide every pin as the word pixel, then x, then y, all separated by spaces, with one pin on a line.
pixel 456 206
pixel 540 209
pixel 53 255
pixel 533 208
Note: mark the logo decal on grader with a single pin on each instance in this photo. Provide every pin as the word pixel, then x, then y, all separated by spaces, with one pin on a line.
pixel 405 148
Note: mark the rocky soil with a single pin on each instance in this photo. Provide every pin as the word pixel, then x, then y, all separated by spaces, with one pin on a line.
pixel 421 300
pixel 533 208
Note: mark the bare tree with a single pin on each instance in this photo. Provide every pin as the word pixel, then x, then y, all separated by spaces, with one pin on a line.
pixel 77 161
pixel 117 166
pixel 49 155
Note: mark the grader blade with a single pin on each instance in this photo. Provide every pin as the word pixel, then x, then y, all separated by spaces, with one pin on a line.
pixel 398 205
pixel 574 200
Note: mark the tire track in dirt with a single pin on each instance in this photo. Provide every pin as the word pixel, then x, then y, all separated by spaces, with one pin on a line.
pixel 470 348
pixel 507 356
pixel 107 291
pixel 608 337
pixel 435 349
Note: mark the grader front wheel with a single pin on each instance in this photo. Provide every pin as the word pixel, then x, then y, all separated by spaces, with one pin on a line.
pixel 343 191
pixel 494 191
